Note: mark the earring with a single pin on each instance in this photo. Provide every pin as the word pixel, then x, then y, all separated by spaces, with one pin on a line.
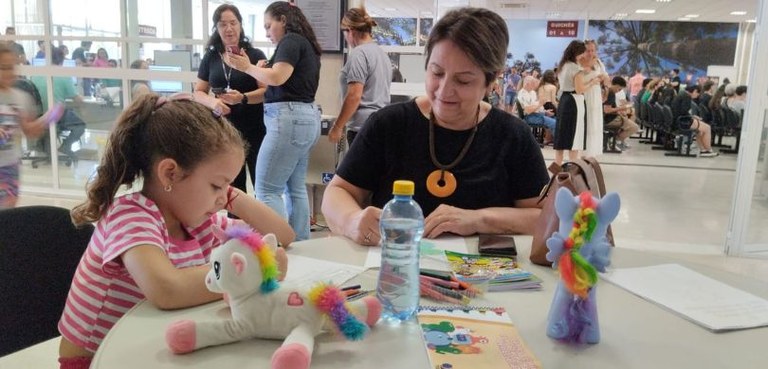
pixel 168 188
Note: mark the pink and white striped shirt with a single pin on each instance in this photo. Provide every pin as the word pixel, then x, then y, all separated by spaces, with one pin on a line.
pixel 102 290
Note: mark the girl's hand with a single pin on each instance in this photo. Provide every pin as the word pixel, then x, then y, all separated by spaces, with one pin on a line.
pixel 239 62
pixel 449 219
pixel 282 263
pixel 364 227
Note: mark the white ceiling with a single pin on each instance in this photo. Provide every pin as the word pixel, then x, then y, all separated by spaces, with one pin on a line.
pixel 708 10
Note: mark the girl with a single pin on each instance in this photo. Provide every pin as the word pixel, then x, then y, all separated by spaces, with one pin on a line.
pixel 290 115
pixel 570 121
pixel 16 111
pixel 154 243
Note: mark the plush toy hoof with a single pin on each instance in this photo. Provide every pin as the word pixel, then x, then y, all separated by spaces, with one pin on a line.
pixel 374 310
pixel 180 337
pixel 291 356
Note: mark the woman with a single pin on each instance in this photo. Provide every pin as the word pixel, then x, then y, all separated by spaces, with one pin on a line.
pixel 592 68
pixel 237 95
pixel 102 59
pixel 570 123
pixel 547 92
pixel 292 119
pixel 365 78
pixel 483 170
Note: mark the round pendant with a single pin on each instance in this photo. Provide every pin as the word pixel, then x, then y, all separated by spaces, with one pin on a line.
pixel 441 183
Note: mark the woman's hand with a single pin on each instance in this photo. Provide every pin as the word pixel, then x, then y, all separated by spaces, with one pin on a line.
pixel 239 62
pixel 220 107
pixel 449 219
pixel 364 227
pixel 232 97
pixel 335 134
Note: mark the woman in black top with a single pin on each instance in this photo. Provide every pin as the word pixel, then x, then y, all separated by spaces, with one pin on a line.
pixel 290 115
pixel 238 96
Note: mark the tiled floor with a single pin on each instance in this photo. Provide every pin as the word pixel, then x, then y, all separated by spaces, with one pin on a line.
pixel 668 204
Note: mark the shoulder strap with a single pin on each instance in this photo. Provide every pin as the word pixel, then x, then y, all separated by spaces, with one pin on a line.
pixel 598 173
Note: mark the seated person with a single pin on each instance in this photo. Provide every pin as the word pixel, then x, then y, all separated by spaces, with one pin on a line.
pixel 614 116
pixel 738 102
pixel 63 89
pixel 491 167
pixel 681 107
pixel 533 110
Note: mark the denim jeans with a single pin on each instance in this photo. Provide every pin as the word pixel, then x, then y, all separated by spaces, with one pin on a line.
pixel 292 130
pixel 539 119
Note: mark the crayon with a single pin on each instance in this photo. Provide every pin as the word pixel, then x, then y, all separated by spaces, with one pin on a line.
pixel 435 274
pixel 440 282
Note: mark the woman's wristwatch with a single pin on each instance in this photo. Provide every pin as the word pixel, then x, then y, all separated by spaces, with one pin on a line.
pixel 244 101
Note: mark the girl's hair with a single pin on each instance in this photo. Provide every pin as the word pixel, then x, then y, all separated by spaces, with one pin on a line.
pixel 715 103
pixel 574 49
pixel 214 42
pixel 480 33
pixel 151 129
pixel 358 19
pixel 295 21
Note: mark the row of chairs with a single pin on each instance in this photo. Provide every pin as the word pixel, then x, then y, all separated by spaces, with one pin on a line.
pixel 663 130
pixel 724 122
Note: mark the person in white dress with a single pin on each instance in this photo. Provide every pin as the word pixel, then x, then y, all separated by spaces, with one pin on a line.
pixel 594 69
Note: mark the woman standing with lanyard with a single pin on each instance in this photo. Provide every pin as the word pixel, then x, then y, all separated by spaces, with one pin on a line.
pixel 290 115
pixel 365 78
pixel 238 96
pixel 570 131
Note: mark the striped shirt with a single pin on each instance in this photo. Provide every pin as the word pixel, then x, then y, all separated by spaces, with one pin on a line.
pixel 102 290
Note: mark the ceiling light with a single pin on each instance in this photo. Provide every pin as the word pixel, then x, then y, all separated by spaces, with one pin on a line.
pixel 647 11
pixel 553 15
pixel 618 16
pixel 691 15
pixel 740 12
pixel 663 1
pixel 683 19
pixel 751 21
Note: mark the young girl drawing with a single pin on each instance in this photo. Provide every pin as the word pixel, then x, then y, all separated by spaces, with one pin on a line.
pixel 154 243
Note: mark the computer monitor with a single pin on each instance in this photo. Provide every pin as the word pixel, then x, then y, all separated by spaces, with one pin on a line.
pixel 166 86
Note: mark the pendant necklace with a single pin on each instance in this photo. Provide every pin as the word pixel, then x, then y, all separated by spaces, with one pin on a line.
pixel 226 74
pixel 441 182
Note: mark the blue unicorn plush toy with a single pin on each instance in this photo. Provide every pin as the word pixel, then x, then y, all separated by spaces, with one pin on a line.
pixel 579 250
pixel 244 267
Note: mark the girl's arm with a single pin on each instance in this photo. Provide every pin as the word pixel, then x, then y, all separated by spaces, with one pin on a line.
pixel 274 75
pixel 162 283
pixel 259 216
pixel 583 85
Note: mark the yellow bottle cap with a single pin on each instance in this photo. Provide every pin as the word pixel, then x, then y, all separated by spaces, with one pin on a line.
pixel 402 187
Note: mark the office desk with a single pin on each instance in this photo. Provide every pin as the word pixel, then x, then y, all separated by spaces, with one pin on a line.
pixel 635 333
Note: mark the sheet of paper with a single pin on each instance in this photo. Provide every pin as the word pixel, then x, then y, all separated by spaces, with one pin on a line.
pixel 431 253
pixel 304 269
pixel 696 297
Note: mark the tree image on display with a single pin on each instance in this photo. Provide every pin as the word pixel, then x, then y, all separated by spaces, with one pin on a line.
pixel 657 47
pixel 528 63
pixel 395 31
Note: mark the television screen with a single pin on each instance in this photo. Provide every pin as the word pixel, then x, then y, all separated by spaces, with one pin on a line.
pixel 166 86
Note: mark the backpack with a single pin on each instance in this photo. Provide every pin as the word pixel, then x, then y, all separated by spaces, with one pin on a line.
pixel 29 87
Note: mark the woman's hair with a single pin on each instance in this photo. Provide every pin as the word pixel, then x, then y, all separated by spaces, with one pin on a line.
pixel 549 77
pixel 574 49
pixel 137 64
pixel 214 42
pixel 716 101
pixel 740 90
pixel 358 19
pixel 295 21
pixel 100 50
pixel 479 33
pixel 151 129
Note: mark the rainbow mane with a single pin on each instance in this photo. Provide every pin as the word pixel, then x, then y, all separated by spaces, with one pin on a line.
pixel 262 252
pixel 332 302
pixel 577 273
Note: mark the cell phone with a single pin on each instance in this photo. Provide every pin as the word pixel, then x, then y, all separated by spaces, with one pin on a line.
pixel 218 91
pixel 234 49
pixel 497 245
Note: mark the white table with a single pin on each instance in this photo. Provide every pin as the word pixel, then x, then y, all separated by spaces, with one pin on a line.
pixel 635 333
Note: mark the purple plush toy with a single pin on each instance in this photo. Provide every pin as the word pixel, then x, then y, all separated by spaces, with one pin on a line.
pixel 579 250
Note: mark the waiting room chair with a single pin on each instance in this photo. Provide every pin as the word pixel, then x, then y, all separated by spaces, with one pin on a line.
pixel 39 252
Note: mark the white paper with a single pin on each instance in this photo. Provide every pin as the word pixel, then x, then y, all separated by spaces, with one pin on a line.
pixel 304 269
pixel 696 297
pixel 428 259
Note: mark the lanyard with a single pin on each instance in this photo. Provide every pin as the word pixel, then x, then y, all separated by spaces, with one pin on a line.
pixel 226 74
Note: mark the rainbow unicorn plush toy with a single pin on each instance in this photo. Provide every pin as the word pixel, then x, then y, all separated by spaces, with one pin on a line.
pixel 579 250
pixel 244 267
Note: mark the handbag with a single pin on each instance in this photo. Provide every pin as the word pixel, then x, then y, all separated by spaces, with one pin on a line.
pixel 580 175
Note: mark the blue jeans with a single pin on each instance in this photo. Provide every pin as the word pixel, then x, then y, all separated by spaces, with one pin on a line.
pixel 539 119
pixel 292 130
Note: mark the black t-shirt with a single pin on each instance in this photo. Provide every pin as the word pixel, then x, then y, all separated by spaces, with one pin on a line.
pixel 503 164
pixel 79 54
pixel 301 86
pixel 610 101
pixel 246 117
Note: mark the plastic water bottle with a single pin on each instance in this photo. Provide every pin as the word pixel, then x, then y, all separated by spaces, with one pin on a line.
pixel 401 226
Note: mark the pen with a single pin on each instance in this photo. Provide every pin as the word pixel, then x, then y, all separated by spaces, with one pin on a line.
pixel 353 287
pixel 440 282
pixel 349 293
pixel 359 295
